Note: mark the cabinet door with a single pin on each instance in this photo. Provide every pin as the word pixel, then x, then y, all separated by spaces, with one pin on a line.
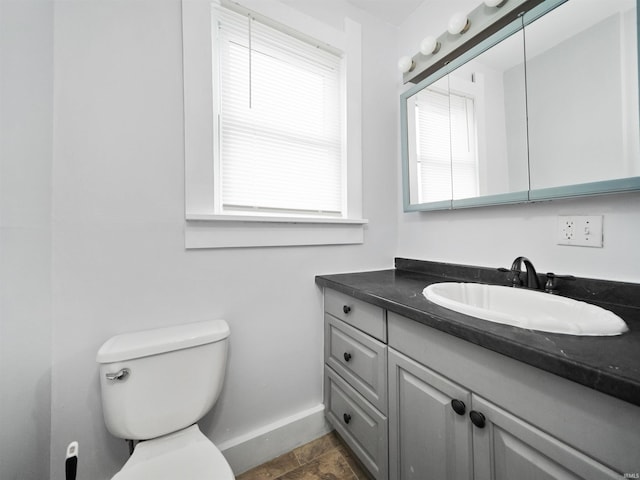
pixel 507 447
pixel 428 440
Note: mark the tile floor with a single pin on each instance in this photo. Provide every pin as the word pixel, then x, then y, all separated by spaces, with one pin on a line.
pixel 326 458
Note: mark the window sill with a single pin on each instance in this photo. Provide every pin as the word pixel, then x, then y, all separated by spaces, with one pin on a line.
pixel 240 231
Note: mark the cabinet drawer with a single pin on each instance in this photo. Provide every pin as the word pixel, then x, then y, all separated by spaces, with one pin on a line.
pixel 359 359
pixel 364 316
pixel 360 424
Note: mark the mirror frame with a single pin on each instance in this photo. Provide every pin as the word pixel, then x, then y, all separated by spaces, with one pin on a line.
pixel 621 185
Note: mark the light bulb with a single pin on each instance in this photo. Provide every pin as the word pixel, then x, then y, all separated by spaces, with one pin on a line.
pixel 494 3
pixel 458 24
pixel 406 64
pixel 429 45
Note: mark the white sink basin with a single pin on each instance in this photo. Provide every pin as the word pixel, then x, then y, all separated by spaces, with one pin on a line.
pixel 524 308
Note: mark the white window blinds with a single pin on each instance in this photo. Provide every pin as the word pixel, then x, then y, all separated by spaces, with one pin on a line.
pixel 280 133
pixel 446 146
pixel 463 146
pixel 433 146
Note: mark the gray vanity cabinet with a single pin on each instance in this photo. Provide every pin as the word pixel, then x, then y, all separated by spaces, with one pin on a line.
pixel 355 379
pixel 428 439
pixel 415 403
pixel 521 432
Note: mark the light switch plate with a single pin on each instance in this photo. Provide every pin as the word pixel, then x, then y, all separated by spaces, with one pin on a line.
pixel 580 230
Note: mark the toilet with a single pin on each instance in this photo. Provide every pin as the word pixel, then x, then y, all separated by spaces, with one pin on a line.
pixel 155 385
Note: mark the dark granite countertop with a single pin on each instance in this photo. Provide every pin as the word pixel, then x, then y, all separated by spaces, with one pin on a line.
pixel 608 364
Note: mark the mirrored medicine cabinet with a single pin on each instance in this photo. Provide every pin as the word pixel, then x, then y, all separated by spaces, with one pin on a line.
pixel 547 107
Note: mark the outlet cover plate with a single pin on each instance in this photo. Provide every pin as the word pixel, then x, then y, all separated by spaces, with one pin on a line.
pixel 580 230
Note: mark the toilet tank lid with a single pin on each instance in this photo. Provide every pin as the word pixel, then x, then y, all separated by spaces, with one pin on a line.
pixel 128 346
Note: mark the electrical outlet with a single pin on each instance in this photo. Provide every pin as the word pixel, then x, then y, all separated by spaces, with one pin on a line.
pixel 583 231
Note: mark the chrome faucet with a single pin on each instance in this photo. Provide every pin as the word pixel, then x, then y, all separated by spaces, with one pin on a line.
pixel 532 277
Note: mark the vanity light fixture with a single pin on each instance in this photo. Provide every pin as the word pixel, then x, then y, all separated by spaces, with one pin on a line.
pixel 463 32
pixel 458 24
pixel 406 64
pixel 429 45
pixel 494 3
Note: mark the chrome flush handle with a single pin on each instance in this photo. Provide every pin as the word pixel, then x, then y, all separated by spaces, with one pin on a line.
pixel 118 376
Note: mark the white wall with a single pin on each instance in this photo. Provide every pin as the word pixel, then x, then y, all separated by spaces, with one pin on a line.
pixel 494 236
pixel 26 74
pixel 119 261
pixel 583 138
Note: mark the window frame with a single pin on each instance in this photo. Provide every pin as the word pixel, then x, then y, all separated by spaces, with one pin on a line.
pixel 204 226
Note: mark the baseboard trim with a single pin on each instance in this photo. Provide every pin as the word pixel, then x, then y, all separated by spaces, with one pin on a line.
pixel 266 443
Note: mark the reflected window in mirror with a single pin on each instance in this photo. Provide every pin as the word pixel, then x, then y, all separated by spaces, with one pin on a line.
pixel 463 97
pixel 429 135
pixel 494 81
pixel 446 139
pixel 466 132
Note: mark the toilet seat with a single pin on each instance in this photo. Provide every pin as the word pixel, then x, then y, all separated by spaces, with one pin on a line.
pixel 183 455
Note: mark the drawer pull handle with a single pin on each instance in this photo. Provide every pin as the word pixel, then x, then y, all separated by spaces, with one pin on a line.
pixel 346 309
pixel 347 356
pixel 346 417
pixel 477 419
pixel 458 406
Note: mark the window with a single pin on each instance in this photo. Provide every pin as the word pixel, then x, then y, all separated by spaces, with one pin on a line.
pixel 272 127
pixel 446 142
pixel 279 112
pixel 464 155
pixel 433 146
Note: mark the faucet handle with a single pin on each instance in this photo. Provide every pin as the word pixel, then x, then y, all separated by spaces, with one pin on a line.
pixel 512 275
pixel 551 285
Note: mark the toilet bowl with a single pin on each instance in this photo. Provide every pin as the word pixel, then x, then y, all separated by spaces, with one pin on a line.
pixel 184 454
pixel 155 385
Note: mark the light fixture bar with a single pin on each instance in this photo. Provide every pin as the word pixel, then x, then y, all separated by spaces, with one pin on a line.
pixel 482 22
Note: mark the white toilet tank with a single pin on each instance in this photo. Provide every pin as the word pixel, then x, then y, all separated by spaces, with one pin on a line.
pixel 159 381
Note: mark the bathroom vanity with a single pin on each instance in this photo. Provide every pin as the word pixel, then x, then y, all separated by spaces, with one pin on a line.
pixel 422 392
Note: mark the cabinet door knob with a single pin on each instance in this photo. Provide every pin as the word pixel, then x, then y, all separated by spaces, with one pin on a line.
pixel 477 419
pixel 346 309
pixel 347 356
pixel 346 417
pixel 458 406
